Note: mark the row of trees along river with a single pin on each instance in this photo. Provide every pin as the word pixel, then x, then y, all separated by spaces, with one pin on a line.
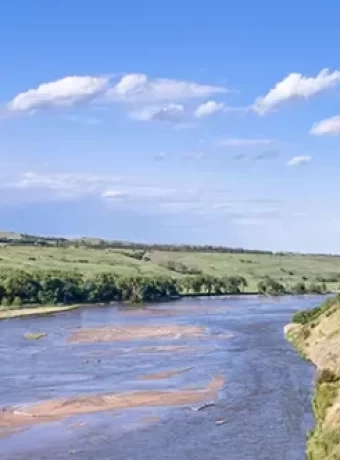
pixel 20 288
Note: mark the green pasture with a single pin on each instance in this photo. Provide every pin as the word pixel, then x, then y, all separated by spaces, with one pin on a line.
pixel 286 268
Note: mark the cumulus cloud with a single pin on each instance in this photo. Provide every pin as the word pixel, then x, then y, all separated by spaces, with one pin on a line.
pixel 329 126
pixel 208 108
pixel 243 142
pixel 141 88
pixel 132 89
pixel 170 112
pixel 299 160
pixel 296 86
pixel 63 92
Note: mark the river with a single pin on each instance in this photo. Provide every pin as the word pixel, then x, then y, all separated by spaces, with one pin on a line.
pixel 261 411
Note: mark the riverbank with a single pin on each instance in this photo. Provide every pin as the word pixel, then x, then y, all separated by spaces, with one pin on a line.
pixel 316 336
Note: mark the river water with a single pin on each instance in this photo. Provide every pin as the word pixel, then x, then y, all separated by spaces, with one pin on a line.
pixel 263 410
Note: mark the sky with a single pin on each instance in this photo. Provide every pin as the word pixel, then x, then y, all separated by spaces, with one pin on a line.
pixel 172 122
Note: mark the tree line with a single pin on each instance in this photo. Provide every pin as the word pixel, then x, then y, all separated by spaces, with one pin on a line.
pixel 23 239
pixel 19 287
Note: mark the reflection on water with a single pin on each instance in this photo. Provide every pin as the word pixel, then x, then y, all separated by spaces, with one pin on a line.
pixel 264 403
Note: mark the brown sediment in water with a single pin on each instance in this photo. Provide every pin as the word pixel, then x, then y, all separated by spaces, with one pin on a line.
pixel 164 375
pixel 154 349
pixel 176 310
pixel 111 334
pixel 58 409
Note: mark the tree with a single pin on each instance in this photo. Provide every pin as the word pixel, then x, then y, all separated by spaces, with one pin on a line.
pixel 270 286
pixel 299 288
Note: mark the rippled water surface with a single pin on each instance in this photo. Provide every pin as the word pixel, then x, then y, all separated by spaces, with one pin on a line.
pixel 262 411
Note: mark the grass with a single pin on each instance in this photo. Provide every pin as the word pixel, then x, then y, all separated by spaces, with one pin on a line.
pixel 324 441
pixel 34 335
pixel 288 269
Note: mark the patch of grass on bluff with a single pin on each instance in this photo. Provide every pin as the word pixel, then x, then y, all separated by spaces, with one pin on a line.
pixel 324 441
pixel 307 316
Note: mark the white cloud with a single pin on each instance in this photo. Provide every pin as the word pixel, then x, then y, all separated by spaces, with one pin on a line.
pixel 244 142
pixel 296 86
pixel 65 91
pixel 139 88
pixel 208 108
pixel 170 112
pixel 114 194
pixel 131 88
pixel 329 126
pixel 299 160
pixel 66 185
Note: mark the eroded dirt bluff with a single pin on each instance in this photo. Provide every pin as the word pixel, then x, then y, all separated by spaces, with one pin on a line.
pixel 318 340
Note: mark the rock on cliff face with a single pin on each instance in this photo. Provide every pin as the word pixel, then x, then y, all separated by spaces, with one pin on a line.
pixel 317 338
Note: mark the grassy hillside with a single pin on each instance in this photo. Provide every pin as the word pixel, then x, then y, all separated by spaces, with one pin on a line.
pixel 316 334
pixel 286 268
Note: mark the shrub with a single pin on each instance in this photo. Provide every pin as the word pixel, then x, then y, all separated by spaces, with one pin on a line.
pixel 270 286
pixel 299 288
pixel 5 302
pixel 17 302
pixel 304 317
pixel 327 376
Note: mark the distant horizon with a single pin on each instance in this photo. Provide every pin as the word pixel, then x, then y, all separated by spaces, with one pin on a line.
pixel 160 244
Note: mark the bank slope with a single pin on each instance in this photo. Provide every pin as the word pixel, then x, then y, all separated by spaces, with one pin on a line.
pixel 316 335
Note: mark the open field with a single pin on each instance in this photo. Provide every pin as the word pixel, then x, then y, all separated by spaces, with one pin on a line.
pixel 286 268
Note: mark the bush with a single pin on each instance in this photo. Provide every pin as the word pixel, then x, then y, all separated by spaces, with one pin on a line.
pixel 327 376
pixel 17 302
pixel 270 286
pixel 317 288
pixel 299 288
pixel 304 317
pixel 5 302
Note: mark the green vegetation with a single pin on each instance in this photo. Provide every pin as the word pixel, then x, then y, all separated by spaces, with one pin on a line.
pixel 298 273
pixel 50 287
pixel 324 441
pixel 270 286
pixel 307 316
pixel 54 271
pixel 34 335
pixel 316 334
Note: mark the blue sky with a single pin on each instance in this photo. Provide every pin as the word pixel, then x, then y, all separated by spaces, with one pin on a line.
pixel 212 123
